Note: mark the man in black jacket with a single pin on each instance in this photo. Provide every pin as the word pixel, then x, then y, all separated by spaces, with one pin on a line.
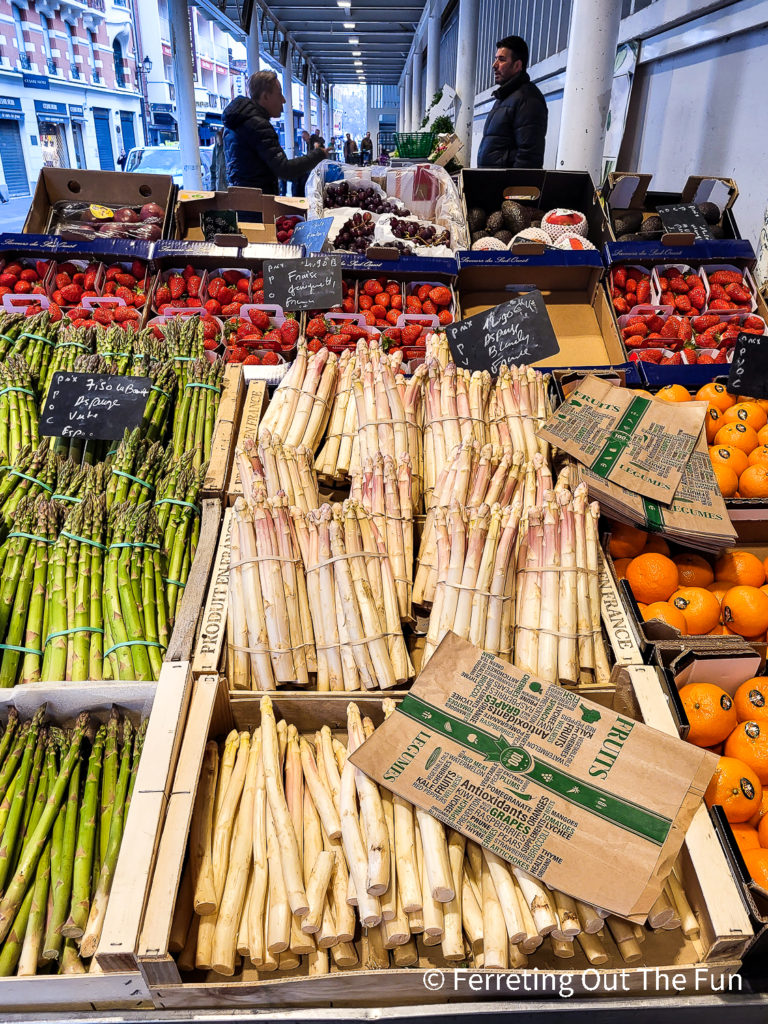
pixel 516 127
pixel 254 156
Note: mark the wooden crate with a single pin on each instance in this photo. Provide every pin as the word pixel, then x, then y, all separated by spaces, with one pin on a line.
pixel 724 925
pixel 188 616
pixel 165 703
pixel 254 407
pixel 224 432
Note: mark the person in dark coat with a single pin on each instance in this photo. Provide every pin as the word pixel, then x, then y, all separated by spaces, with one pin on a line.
pixel 516 127
pixel 254 156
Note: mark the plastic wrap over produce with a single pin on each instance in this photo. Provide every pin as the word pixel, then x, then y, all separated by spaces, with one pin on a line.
pixel 425 191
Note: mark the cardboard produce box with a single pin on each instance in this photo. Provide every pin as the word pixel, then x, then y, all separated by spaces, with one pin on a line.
pixel 578 308
pixel 629 190
pixel 721 924
pixel 101 188
pixel 255 214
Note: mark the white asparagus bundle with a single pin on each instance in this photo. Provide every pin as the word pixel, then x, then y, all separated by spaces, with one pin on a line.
pixel 301 405
pixel 267 583
pixel 558 635
pixel 437 348
pixel 474 596
pixel 298 848
pixel 384 488
pixel 518 407
pixel 455 410
pixel 353 600
pixel 282 468
pixel 335 457
pixel 474 475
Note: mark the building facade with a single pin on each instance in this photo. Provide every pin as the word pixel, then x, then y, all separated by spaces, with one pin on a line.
pixel 69 91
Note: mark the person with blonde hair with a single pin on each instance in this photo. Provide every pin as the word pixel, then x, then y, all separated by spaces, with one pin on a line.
pixel 254 156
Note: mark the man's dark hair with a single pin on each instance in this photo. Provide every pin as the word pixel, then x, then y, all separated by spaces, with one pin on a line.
pixel 517 46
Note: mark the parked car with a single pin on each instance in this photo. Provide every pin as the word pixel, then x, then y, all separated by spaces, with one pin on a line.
pixel 167 160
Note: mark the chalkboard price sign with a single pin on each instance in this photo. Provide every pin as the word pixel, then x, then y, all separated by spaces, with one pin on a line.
pixel 313 283
pixel 684 219
pixel 518 331
pixel 94 405
pixel 749 369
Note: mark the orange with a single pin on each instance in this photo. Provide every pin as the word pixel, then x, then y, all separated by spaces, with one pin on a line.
pixel 746 412
pixel 673 393
pixel 667 613
pixel 717 749
pixel 652 577
pixel 762 435
pixel 642 392
pixel 693 570
pixel 727 480
pixel 745 611
pixel 620 565
pixel 746 836
pixel 657 544
pixel 757 866
pixel 710 711
pixel 749 743
pixel 717 395
pixel 736 788
pixel 721 630
pixel 713 420
pixel 753 482
pixel 726 455
pixel 738 435
pixel 762 833
pixel 626 541
pixel 740 567
pixel 641 607
pixel 699 606
pixel 761 811
pixel 751 700
pixel 759 456
pixel 719 588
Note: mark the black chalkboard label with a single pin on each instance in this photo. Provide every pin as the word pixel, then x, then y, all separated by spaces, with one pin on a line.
pixel 518 331
pixel 94 405
pixel 749 369
pixel 684 219
pixel 303 284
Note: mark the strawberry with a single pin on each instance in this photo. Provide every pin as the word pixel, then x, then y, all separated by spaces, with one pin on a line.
pixel 397 302
pixel 684 331
pixel 620 277
pixel 176 285
pixel 237 354
pixel 674 360
pixel 410 334
pixel 270 359
pixel 193 284
pixel 365 302
pixel 8 280
pixel 678 286
pixel 347 306
pixel 371 319
pixel 634 341
pixel 683 303
pixel 314 345
pixel 377 312
pixel 393 316
pixel 71 294
pixel 653 355
pixel 126 294
pixel 273 335
pixel 289 333
pixel 372 286
pixel 213 307
pixel 621 305
pixel 753 323
pixel 697 298
pixel 252 360
pixel 391 288
pixel 738 293
pixel 413 304
pixel 441 296
pixel 259 318
pixel 28 275
pixel 643 291
pixel 384 299
pixel 721 304
pixel 316 328
pixel 726 277
pixel 445 316
pixel 232 276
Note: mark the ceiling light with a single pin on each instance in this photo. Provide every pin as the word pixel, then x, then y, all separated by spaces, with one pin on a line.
pixel 358 63
pixel 349 24
pixel 344 3
pixel 353 40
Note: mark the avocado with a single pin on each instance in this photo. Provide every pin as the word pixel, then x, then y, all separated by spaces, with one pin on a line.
pixel 477 235
pixel 651 225
pixel 476 218
pixel 717 231
pixel 627 221
pixel 495 222
pixel 631 236
pixel 515 216
pixel 504 236
pixel 710 212
pixel 535 223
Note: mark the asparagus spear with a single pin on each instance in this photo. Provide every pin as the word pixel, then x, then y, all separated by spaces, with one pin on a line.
pixel 108 783
pixel 62 884
pixel 83 866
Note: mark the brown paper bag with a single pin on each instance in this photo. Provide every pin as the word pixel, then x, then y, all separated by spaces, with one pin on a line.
pixel 635 442
pixel 593 803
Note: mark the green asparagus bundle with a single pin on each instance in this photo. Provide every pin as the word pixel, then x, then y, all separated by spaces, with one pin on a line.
pixel 18 409
pixel 70 343
pixel 184 343
pixel 35 343
pixel 136 464
pixel 33 473
pixel 157 411
pixel 58 791
pixel 116 347
pixel 11 326
pixel 136 629
pixel 178 514
pixel 196 409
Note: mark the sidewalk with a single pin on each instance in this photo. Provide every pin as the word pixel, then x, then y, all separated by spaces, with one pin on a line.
pixel 14 213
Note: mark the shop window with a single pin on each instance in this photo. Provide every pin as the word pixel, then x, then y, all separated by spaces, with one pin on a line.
pixel 75 71
pixel 18 23
pixel 92 57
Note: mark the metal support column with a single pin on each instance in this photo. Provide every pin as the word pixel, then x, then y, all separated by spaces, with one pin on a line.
pixel 401 107
pixel 407 124
pixel 587 93
pixel 186 111
pixel 253 42
pixel 307 107
pixel 466 66
pixel 331 125
pixel 433 52
pixel 288 109
pixel 416 112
